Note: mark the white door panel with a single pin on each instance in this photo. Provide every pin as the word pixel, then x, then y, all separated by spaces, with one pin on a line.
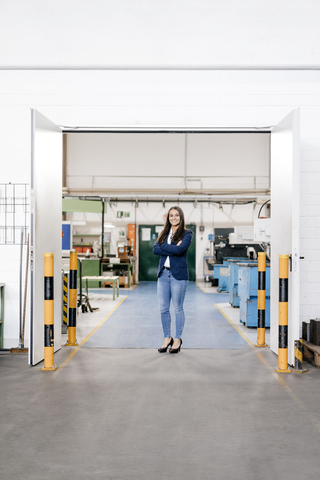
pixel 45 227
pixel 285 220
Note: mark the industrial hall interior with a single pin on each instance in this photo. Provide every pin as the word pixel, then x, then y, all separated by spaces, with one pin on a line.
pixel 159 240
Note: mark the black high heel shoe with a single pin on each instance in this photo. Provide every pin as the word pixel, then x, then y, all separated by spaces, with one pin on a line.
pixel 164 349
pixel 176 350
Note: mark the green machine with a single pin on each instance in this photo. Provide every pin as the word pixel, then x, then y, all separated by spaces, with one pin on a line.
pixel 148 262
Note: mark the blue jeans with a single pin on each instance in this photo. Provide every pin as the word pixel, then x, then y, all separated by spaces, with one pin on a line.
pixel 170 288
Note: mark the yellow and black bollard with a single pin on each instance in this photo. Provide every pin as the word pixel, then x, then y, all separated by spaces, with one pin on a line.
pixel 283 314
pixel 261 336
pixel 48 313
pixel 72 325
pixel 298 357
pixel 65 304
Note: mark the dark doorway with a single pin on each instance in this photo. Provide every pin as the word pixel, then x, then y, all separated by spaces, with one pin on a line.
pixel 148 262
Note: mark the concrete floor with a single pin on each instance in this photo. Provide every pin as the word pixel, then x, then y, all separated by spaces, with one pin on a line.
pixel 123 414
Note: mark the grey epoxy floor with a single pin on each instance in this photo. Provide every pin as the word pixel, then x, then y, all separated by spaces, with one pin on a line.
pixel 135 414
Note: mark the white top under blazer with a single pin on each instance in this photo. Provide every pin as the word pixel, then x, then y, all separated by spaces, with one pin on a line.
pixel 169 238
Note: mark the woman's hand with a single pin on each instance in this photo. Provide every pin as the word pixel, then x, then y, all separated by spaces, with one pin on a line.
pixel 179 243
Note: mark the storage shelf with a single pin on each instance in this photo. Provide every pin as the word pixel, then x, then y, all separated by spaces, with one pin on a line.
pixel 82 244
pixel 86 235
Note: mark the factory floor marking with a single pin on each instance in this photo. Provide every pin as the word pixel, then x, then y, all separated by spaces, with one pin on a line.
pixel 278 377
pixel 76 349
pixel 137 323
pixel 201 287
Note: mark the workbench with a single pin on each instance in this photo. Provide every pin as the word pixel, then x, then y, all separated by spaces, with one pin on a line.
pixel 114 280
pixel 119 266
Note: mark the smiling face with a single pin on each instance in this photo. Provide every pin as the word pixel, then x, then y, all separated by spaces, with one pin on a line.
pixel 174 218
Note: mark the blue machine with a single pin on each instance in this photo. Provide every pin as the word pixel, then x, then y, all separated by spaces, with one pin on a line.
pixel 234 298
pixel 248 293
pixel 221 272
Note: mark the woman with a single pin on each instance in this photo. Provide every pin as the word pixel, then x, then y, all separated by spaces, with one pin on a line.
pixel 172 246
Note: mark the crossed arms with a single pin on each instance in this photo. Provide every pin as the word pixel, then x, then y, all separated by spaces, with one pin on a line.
pixel 173 250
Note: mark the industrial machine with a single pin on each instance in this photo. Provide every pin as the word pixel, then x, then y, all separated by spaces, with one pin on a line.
pixel 221 273
pixel 229 243
pixel 248 293
pixel 237 242
pixel 234 298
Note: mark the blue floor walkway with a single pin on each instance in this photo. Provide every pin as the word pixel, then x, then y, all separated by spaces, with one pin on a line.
pixel 136 322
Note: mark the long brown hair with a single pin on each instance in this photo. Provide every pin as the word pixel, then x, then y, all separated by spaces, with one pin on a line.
pixel 179 233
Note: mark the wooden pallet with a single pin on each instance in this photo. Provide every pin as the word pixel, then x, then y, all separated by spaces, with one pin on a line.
pixel 311 353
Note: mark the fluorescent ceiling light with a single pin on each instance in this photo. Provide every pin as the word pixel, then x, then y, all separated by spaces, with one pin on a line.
pixel 108 225
pixel 79 222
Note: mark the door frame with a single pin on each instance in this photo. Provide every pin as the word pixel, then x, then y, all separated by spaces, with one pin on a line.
pixel 184 129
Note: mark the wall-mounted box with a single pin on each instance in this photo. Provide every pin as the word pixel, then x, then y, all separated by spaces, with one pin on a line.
pixel 262 230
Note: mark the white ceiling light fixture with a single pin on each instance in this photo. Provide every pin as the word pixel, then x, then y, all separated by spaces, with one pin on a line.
pixel 108 225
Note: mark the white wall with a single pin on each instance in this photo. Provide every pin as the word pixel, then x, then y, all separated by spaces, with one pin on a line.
pixel 144 32
pixel 259 98
pixel 133 161
pixel 198 32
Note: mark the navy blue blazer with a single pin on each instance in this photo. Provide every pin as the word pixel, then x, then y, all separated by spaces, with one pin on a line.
pixel 177 254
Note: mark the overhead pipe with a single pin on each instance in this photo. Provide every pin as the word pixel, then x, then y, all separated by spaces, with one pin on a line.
pixel 168 197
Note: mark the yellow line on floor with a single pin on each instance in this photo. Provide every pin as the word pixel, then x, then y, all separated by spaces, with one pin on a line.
pixel 235 326
pixel 76 349
pixel 273 372
pixel 200 287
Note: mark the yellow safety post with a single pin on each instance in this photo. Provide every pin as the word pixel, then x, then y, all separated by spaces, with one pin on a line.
pixel 72 326
pixel 298 357
pixel 261 333
pixel 48 313
pixel 65 304
pixel 283 314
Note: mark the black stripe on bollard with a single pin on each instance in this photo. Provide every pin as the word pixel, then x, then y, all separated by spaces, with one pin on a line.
pixel 261 280
pixel 297 364
pixel 72 317
pixel 283 336
pixel 65 300
pixel 298 356
pixel 48 336
pixel 283 289
pixel 73 280
pixel 261 318
pixel 48 288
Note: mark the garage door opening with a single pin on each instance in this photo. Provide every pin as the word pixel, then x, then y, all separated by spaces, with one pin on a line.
pixel 196 181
